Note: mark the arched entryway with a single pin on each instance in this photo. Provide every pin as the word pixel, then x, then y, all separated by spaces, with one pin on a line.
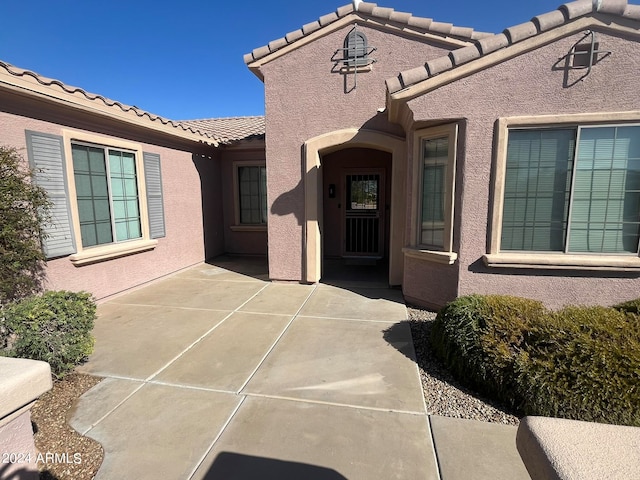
pixel 356 215
pixel 388 159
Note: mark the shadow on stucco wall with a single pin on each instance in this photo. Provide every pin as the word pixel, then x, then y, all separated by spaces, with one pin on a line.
pixel 208 167
pixel 479 267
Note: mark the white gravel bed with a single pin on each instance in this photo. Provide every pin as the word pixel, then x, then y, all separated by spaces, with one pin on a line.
pixel 442 393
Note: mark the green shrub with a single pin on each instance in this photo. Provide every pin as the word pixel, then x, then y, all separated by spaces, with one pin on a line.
pixel 24 207
pixel 632 306
pixel 479 339
pixel 583 363
pixel 54 327
pixel 580 362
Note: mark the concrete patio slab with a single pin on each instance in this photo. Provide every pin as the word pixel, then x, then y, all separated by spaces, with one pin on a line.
pixel 376 304
pixel 343 362
pixel 279 298
pixel 206 271
pixel 99 401
pixel 135 341
pixel 194 293
pixel 161 432
pixel 226 358
pixel 216 373
pixel 486 449
pixel 274 439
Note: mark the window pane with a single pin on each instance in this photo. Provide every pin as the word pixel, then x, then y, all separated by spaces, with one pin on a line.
pixel 537 189
pixel 252 195
pixel 126 214
pixel 605 211
pixel 92 195
pixel 435 156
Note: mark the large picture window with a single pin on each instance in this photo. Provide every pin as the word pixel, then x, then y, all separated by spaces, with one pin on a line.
pixel 572 190
pixel 107 194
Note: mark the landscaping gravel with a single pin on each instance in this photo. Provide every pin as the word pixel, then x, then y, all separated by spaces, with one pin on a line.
pixel 442 393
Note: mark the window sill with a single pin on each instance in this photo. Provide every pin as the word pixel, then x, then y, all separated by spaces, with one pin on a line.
pixel 562 261
pixel 446 258
pixel 108 252
pixel 248 228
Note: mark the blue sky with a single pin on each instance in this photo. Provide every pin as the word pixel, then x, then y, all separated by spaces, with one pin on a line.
pixel 183 60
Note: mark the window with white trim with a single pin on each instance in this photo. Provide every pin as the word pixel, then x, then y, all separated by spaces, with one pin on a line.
pixel 107 194
pixel 573 190
pixel 252 194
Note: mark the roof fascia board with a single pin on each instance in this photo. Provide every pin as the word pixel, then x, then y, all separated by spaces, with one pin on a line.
pixel 606 23
pixel 389 26
pixel 33 89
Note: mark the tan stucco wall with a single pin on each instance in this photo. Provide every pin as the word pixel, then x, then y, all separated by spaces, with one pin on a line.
pixel 184 243
pixel 531 84
pixel 304 99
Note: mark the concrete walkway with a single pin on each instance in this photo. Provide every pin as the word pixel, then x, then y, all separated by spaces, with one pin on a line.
pixel 217 373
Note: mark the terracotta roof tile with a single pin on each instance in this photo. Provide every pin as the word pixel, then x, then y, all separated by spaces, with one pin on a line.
pixel 230 129
pixel 633 12
pixel 487 44
pixel 577 9
pixel 549 20
pixel 60 87
pixel 368 10
pixel 520 32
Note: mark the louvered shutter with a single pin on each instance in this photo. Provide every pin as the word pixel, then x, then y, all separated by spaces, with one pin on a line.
pixel 155 206
pixel 46 156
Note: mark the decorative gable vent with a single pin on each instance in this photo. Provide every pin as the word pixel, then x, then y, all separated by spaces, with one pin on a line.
pixel 353 57
pixel 356 51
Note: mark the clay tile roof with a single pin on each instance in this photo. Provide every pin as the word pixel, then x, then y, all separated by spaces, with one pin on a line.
pixel 370 11
pixel 483 45
pixel 59 87
pixel 231 129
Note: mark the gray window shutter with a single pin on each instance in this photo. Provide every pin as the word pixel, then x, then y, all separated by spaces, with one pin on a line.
pixel 155 206
pixel 46 156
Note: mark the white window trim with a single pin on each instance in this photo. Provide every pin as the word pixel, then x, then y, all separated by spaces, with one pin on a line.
pixel 550 260
pixel 415 249
pixel 99 253
pixel 237 226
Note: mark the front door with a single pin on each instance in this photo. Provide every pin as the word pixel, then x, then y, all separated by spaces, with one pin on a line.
pixel 363 222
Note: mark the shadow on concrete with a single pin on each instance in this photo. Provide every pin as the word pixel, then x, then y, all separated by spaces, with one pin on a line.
pixel 9 471
pixel 256 266
pixel 235 466
pixel 421 351
pixel 347 274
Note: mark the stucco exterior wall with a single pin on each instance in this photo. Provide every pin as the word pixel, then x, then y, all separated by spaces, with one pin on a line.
pixel 236 241
pixel 184 242
pixel 534 83
pixel 305 97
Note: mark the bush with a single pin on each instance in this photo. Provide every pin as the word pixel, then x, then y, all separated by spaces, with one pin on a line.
pixel 480 337
pixel 54 327
pixel 24 208
pixel 632 306
pixel 583 363
pixel 580 362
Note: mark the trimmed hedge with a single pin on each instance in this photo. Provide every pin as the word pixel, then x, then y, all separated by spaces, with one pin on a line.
pixel 54 327
pixel 579 362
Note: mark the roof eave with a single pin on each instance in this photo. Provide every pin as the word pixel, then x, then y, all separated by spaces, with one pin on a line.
pixel 604 22
pixel 78 101
pixel 364 20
